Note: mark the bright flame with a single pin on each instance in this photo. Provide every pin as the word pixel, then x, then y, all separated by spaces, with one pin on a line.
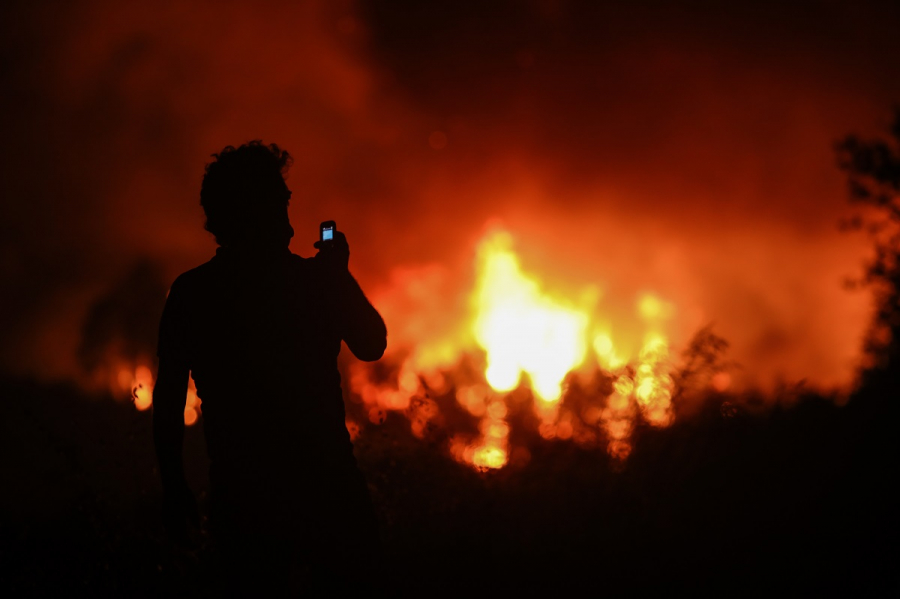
pixel 491 449
pixel 142 388
pixel 522 329
pixel 606 352
pixel 653 386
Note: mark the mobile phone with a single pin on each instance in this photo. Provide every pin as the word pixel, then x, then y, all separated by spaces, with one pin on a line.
pixel 326 232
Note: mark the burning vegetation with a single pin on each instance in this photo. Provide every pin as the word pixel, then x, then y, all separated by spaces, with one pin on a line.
pixel 520 356
pixel 531 358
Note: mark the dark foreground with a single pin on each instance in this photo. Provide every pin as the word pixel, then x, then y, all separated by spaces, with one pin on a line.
pixel 796 500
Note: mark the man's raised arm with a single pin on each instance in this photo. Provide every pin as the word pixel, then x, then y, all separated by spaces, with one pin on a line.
pixel 361 326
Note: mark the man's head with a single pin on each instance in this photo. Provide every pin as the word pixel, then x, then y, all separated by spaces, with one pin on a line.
pixel 244 195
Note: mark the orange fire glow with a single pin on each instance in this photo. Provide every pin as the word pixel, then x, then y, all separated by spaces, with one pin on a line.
pixel 523 336
pixel 142 388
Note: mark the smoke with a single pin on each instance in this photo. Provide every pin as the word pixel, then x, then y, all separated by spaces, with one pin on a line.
pixel 681 151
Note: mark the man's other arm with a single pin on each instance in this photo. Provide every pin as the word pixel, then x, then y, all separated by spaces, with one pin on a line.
pixel 169 396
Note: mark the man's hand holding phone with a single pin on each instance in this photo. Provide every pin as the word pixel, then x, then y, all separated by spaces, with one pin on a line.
pixel 333 248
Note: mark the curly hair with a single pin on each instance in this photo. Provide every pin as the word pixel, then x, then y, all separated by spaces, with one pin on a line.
pixel 243 188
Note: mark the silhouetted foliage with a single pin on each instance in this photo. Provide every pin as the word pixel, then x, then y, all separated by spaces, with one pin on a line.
pixel 702 359
pixel 873 169
pixel 794 501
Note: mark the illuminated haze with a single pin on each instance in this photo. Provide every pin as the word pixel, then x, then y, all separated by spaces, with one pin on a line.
pixel 687 152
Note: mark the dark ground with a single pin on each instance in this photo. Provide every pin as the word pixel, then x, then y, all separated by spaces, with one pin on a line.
pixel 796 500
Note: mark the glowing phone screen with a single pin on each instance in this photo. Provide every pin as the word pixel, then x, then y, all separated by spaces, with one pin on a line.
pixel 327 234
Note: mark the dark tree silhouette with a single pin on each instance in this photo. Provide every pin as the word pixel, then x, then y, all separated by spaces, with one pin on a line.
pixel 702 359
pixel 873 169
pixel 868 423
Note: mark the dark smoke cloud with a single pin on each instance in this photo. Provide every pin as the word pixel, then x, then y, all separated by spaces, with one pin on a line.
pixel 682 149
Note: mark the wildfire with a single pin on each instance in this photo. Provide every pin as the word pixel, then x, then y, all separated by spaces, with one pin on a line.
pixel 519 336
pixel 522 329
pixel 525 336
pixel 491 449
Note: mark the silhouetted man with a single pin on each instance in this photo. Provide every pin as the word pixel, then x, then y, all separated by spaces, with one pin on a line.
pixel 260 328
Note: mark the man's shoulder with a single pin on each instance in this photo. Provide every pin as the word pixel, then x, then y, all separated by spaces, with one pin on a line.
pixel 199 276
pixel 206 274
